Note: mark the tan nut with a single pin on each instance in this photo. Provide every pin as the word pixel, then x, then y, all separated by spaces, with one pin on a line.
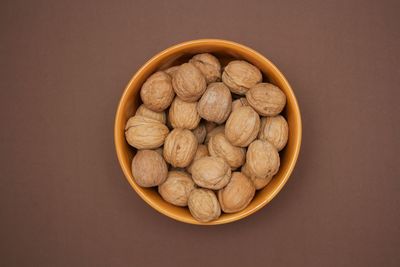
pixel 200 132
pixel 259 183
pixel 242 126
pixel 210 125
pixel 188 82
pixel 219 146
pixel 208 65
pixel 176 188
pixel 202 151
pixel 275 130
pixel 183 114
pixel 266 99
pixel 149 168
pixel 204 205
pixel 145 112
pixel 240 76
pixel 180 147
pixel 241 102
pixel 171 70
pixel 216 103
pixel 157 92
pixel 211 172
pixel 217 130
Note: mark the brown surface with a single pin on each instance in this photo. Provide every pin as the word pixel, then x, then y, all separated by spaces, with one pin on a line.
pixel 64 200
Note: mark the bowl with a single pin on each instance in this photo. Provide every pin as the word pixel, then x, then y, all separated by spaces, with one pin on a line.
pixel 225 51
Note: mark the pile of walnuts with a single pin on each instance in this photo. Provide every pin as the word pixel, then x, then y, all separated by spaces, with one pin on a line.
pixel 207 144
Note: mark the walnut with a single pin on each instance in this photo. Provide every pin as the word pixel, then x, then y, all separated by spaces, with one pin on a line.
pixel 180 147
pixel 208 65
pixel 217 130
pixel 237 194
pixel 202 151
pixel 211 172
pixel 159 151
pixel 200 132
pixel 145 133
pixel 204 205
pixel 188 82
pixel 242 126
pixel 241 102
pixel 176 188
pixel 240 76
pixel 149 168
pixel 157 92
pixel 266 99
pixel 219 146
pixel 145 112
pixel 259 183
pixel 210 126
pixel 171 70
pixel 215 104
pixel 183 114
pixel 275 130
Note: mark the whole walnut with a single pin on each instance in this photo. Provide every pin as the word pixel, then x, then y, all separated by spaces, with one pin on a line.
pixel 242 126
pixel 259 183
pixel 145 112
pixel 200 132
pixel 219 146
pixel 266 99
pixel 204 205
pixel 208 65
pixel 211 172
pixel 171 70
pixel 145 133
pixel 217 130
pixel 275 130
pixel 176 188
pixel 188 82
pixel 180 147
pixel 237 194
pixel 157 92
pixel 216 103
pixel 183 114
pixel 149 168
pixel 210 125
pixel 240 76
pixel 241 102
pixel 202 151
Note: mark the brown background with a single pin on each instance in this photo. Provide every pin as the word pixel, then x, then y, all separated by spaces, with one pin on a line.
pixel 64 200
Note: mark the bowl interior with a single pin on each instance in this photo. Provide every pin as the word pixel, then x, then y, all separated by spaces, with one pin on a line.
pixel 225 51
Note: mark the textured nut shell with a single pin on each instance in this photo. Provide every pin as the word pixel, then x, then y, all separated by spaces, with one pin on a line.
pixel 159 151
pixel 219 146
pixel 275 130
pixel 216 103
pixel 266 99
pixel 145 133
pixel 241 102
pixel 183 114
pixel 240 75
pixel 145 112
pixel 200 132
pixel 188 82
pixel 262 159
pixel 176 188
pixel 217 130
pixel 259 183
pixel 210 126
pixel 211 172
pixel 171 70
pixel 208 65
pixel 204 205
pixel 242 126
pixel 149 168
pixel 202 151
pixel 237 194
pixel 157 92
pixel 180 147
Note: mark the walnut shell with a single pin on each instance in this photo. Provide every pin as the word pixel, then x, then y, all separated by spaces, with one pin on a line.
pixel 219 146
pixel 149 168
pixel 237 194
pixel 210 125
pixel 240 76
pixel 180 147
pixel 259 183
pixel 204 205
pixel 211 172
pixel 145 133
pixel 159 151
pixel 275 130
pixel 200 132
pixel 242 126
pixel 188 82
pixel 208 65
pixel 216 103
pixel 217 130
pixel 183 114
pixel 241 102
pixel 157 92
pixel 171 70
pixel 266 99
pixel 202 151
pixel 176 188
pixel 145 112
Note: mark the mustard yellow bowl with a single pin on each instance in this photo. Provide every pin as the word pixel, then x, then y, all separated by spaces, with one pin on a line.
pixel 225 51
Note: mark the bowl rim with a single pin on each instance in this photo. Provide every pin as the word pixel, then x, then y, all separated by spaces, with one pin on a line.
pixel 176 48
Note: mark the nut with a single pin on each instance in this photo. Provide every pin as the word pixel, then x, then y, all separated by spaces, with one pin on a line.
pixel 171 70
pixel 266 99
pixel 275 130
pixel 240 76
pixel 241 102
pixel 159 151
pixel 211 172
pixel 237 194
pixel 149 168
pixel 183 114
pixel 242 126
pixel 157 92
pixel 219 146
pixel 210 126
pixel 259 183
pixel 188 82
pixel 145 133
pixel 145 112
pixel 180 147
pixel 200 132
pixel 201 151
pixel 216 103
pixel 204 205
pixel 176 188
pixel 219 129
pixel 208 65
